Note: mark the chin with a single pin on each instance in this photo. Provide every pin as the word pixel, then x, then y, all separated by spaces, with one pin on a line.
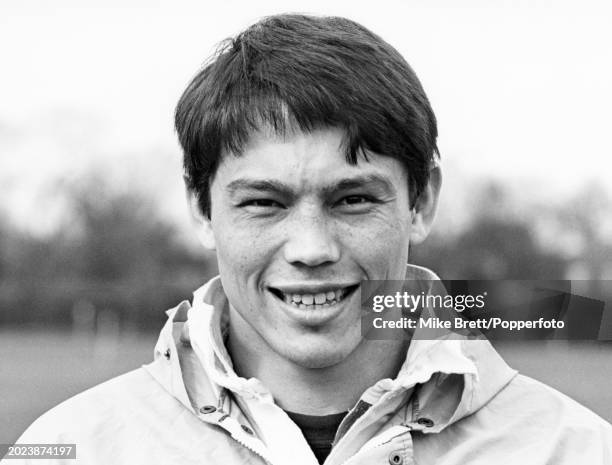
pixel 318 355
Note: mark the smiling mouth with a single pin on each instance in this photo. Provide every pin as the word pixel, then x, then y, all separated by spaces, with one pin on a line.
pixel 310 301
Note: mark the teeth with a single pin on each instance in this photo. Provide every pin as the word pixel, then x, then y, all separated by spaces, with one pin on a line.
pixel 320 300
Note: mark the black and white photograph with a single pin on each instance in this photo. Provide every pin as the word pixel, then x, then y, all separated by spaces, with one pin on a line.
pixel 306 232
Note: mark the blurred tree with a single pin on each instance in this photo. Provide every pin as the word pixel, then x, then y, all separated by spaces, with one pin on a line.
pixel 589 214
pixel 112 251
pixel 490 249
pixel 499 243
pixel 118 234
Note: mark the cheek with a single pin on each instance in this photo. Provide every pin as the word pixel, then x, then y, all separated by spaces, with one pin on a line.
pixel 241 252
pixel 378 245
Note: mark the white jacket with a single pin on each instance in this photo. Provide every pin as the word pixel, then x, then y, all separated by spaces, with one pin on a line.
pixel 454 402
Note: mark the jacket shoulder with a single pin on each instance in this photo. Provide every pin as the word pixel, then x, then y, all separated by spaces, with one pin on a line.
pixel 537 415
pixel 543 401
pixel 133 419
pixel 526 422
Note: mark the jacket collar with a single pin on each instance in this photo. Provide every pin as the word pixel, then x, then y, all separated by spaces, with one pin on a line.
pixel 454 377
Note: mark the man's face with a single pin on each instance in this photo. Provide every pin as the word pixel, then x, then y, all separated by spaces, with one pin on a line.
pixel 296 228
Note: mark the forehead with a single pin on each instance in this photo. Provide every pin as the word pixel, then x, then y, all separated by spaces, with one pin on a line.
pixel 305 160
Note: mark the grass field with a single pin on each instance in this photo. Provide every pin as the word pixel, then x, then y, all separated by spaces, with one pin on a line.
pixel 40 369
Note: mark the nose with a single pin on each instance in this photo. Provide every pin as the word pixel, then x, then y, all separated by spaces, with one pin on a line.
pixel 311 242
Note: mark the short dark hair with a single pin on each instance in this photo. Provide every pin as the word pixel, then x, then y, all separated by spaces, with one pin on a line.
pixel 304 72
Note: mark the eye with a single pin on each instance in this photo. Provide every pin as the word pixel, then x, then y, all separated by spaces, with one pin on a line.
pixel 261 203
pixel 356 200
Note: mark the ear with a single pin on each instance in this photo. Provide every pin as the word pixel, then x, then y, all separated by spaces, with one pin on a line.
pixel 201 222
pixel 424 210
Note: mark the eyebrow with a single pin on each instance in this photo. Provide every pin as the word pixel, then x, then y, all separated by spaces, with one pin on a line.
pixel 374 181
pixel 263 185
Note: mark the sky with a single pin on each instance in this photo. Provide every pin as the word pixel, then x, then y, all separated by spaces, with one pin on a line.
pixel 521 90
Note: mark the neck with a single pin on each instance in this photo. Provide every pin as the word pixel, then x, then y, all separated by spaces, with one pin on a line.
pixel 313 391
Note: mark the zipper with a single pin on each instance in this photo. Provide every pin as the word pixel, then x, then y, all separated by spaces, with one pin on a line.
pixel 236 437
pixel 247 446
pixel 224 416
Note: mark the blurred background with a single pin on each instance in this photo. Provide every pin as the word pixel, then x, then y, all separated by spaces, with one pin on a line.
pixel 95 242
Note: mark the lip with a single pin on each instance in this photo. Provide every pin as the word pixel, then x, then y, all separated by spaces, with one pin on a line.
pixel 311 288
pixel 316 316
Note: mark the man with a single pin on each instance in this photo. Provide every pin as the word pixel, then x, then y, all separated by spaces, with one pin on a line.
pixel 310 160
